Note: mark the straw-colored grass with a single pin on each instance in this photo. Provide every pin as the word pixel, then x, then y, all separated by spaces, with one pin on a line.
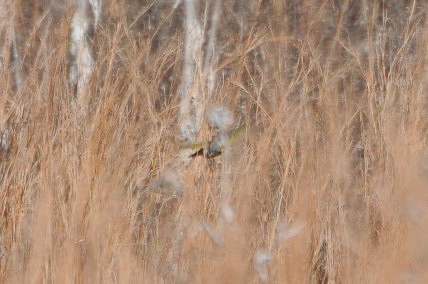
pixel 329 184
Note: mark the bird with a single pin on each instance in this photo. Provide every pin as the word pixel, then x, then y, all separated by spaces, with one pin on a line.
pixel 170 180
pixel 216 146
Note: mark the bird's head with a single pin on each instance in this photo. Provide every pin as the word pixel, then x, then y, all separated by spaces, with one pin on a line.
pixel 216 147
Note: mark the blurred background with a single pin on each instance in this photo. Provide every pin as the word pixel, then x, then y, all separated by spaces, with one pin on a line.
pixel 327 184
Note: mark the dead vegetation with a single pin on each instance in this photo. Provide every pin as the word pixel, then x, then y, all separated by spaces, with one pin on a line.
pixel 329 184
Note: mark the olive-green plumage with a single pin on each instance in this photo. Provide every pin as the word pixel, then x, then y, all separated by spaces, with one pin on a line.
pixel 216 146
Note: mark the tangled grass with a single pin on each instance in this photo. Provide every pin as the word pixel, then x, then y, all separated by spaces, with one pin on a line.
pixel 329 184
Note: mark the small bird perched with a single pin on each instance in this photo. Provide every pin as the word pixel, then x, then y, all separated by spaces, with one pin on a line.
pixel 220 119
pixel 216 146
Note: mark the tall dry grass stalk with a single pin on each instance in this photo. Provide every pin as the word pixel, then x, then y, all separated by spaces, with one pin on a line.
pixel 328 185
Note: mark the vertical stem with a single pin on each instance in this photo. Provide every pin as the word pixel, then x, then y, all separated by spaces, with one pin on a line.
pixel 16 61
pixel 226 171
pixel 96 10
pixel 210 54
pixel 81 68
pixel 191 103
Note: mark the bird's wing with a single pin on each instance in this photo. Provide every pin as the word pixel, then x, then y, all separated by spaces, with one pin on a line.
pixel 237 133
pixel 197 148
pixel 194 147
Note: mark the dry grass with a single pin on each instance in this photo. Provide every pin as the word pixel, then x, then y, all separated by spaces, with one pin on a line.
pixel 331 181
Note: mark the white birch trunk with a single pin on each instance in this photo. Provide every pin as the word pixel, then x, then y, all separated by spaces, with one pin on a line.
pixel 81 68
pixel 210 60
pixel 17 74
pixel 9 41
pixel 96 10
pixel 5 24
pixel 191 108
pixel 9 56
